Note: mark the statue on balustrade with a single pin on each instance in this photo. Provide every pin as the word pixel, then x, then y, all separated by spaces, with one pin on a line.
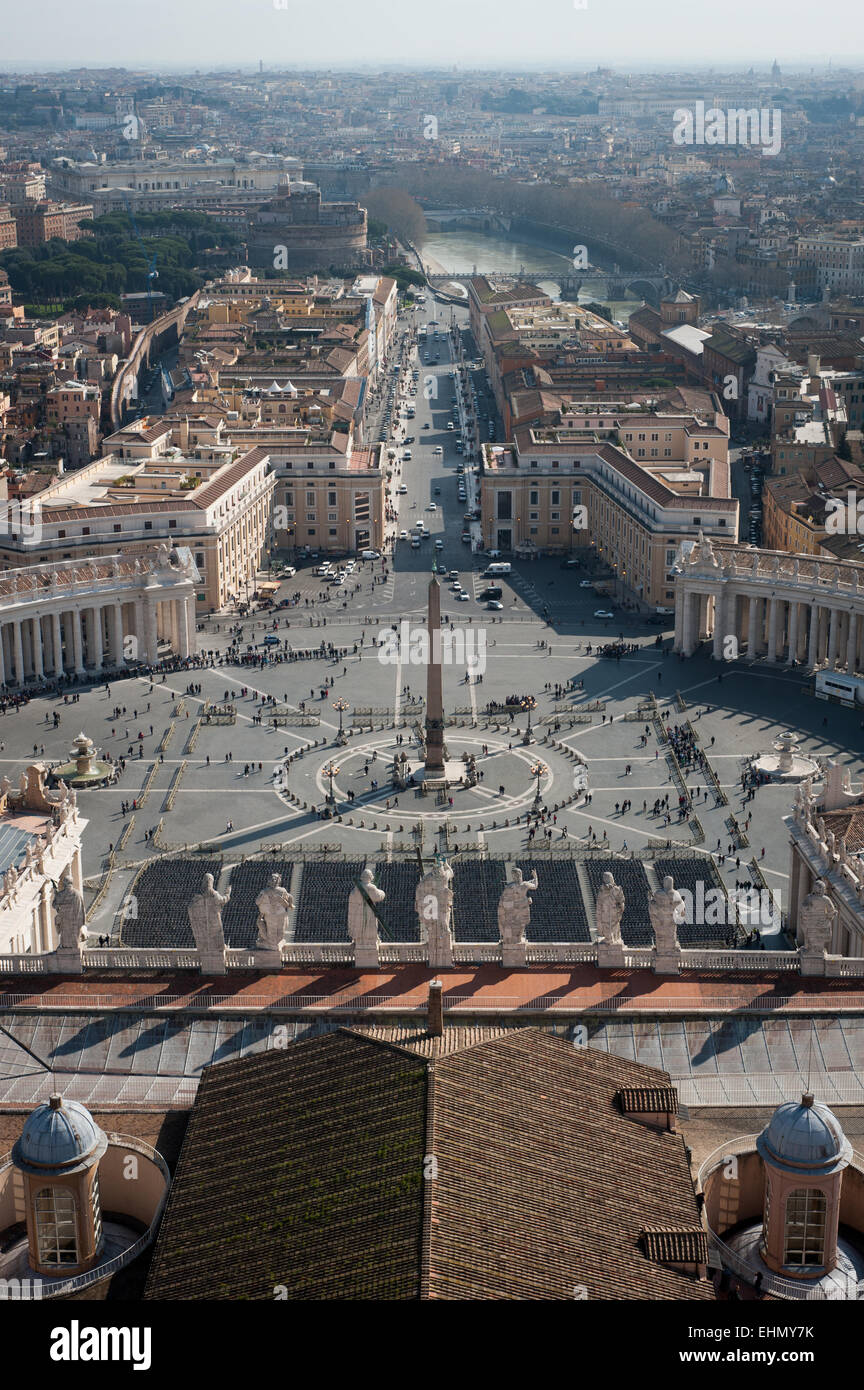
pixel 608 910
pixel 274 903
pixel 433 901
pixel 816 917
pixel 364 897
pixel 667 910
pixel 205 917
pixel 69 915
pixel 514 908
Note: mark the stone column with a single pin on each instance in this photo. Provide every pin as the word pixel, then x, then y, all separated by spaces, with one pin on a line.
pixel 832 640
pixel 813 645
pixel 19 652
pixel 793 632
pixel 2 654
pixel 678 643
pixel 150 652
pixel 77 642
pixel 38 665
pixel 753 618
pixel 98 650
pixel 117 652
pixel 57 642
pixel 720 624
pixel 773 616
pixel 852 644
pixel 181 621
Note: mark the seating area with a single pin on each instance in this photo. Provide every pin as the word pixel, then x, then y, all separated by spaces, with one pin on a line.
pixel 399 881
pixel 557 909
pixel 477 887
pixel 630 874
pixel 161 895
pixel 240 917
pixel 688 874
pixel 322 909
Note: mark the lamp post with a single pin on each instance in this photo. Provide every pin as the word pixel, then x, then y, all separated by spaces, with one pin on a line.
pixel 528 704
pixel 331 770
pixel 537 771
pixel 341 705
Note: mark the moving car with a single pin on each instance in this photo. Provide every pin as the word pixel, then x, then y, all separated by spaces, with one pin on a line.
pixel 403 535
pixel 462 596
pixel 403 487
pixel 586 584
pixel 370 555
pixel 493 603
pixel 603 613
pixel 439 545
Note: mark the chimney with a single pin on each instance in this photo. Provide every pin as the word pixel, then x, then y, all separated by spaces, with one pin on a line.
pixel 435 1010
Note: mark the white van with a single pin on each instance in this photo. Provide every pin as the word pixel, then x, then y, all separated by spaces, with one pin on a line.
pixel 500 567
pixel 415 542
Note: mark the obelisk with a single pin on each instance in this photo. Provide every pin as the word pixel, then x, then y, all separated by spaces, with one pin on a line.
pixel 436 752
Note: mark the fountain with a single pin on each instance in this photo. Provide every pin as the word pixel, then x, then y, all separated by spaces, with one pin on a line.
pixel 786 763
pixel 84 769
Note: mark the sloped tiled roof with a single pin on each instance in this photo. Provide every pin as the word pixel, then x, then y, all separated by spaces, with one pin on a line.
pixel 385 1164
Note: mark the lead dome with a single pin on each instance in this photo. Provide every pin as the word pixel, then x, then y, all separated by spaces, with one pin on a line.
pixel 805 1137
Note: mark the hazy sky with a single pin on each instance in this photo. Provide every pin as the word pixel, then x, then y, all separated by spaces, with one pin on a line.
pixel 191 34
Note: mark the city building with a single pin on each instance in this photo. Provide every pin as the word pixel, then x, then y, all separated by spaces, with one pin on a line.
pixel 625 489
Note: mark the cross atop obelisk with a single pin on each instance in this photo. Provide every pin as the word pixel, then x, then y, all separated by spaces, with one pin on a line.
pixel 436 752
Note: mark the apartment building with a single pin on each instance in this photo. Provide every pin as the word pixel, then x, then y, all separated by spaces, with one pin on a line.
pixel 216 501
pixel 328 497
pixel 566 490
pixel 8 228
pixel 836 263
pixel 38 222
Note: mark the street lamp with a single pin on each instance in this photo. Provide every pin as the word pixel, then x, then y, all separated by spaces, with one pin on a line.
pixel 341 705
pixel 528 704
pixel 331 770
pixel 537 771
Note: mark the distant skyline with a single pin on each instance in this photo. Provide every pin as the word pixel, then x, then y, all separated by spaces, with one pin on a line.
pixel 474 34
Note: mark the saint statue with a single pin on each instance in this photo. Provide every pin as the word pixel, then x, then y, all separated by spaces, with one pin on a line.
pixel 667 910
pixel 514 908
pixel 69 914
pixel 434 904
pixel 608 910
pixel 816 917
pixel 362 922
pixel 274 904
pixel 205 917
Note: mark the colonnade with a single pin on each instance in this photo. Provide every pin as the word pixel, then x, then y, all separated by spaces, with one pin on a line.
pixel 57 620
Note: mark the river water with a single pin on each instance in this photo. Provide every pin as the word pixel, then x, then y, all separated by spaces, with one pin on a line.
pixel 464 250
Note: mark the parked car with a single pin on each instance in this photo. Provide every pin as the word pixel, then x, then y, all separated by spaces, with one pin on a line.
pixel 603 613
pixel 370 554
pixel 271 640
pixel 493 603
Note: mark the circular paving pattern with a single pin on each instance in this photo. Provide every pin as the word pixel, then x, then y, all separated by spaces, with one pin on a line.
pixel 507 763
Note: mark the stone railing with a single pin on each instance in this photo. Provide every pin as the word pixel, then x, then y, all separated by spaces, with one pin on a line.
pixel 741 960
pixel 137 958
pixel 547 953
pixel 24 965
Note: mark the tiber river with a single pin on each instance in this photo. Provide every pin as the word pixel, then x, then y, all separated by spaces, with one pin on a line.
pixel 462 250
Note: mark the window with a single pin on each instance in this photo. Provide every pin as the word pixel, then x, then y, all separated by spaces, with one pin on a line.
pixel 148 525
pixel 117 526
pixel 172 525
pixel 56 1226
pixel 804 1242
pixel 534 498
pixel 556 496
pixel 505 506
